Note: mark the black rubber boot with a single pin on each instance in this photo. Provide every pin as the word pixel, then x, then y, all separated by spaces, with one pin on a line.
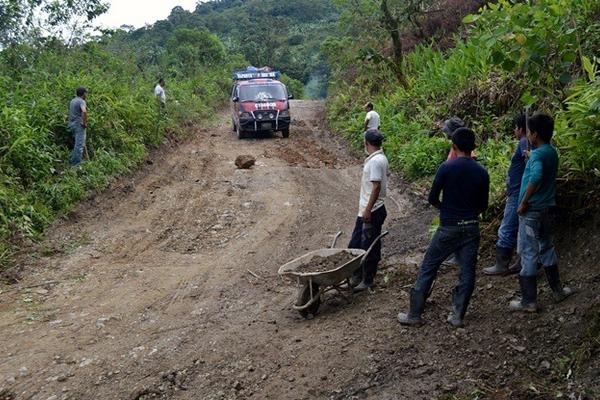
pixel 559 292
pixel 515 267
pixel 417 303
pixel 528 300
pixel 503 257
pixel 460 302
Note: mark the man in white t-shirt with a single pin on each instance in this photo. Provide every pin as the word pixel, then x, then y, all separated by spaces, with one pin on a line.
pixel 372 118
pixel 159 92
pixel 371 209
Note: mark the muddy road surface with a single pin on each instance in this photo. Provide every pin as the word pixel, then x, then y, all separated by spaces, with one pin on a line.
pixel 166 286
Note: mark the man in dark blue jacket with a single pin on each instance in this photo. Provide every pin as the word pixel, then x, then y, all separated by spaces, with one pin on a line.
pixel 507 233
pixel 465 186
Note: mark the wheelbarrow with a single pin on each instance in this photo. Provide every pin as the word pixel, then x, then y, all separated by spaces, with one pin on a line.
pixel 312 285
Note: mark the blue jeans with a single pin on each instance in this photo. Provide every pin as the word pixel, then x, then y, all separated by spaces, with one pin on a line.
pixel 464 242
pixel 79 135
pixel 362 238
pixel 509 228
pixel 535 242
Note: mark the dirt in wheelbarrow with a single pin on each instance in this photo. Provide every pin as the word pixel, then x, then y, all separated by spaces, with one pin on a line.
pixel 324 264
pixel 165 286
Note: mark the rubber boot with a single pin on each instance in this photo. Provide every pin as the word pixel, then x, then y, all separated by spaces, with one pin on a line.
pixel 559 292
pixel 417 303
pixel 515 267
pixel 527 302
pixel 503 257
pixel 361 287
pixel 459 308
pixel 455 319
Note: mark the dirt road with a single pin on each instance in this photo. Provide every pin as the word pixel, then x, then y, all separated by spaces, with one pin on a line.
pixel 150 288
pixel 165 286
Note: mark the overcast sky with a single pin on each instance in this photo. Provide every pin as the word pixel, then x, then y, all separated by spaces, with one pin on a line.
pixel 140 12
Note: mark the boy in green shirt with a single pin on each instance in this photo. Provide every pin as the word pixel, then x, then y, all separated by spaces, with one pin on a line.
pixel 537 196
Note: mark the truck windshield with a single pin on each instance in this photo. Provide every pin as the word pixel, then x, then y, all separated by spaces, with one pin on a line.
pixel 268 92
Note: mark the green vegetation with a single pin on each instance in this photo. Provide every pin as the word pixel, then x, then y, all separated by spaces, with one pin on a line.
pixel 517 54
pixel 47 52
pixel 284 35
pixel 38 80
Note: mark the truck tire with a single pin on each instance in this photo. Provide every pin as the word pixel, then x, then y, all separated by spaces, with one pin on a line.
pixel 285 133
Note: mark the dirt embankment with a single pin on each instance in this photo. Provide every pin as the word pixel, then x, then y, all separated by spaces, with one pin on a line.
pixel 166 286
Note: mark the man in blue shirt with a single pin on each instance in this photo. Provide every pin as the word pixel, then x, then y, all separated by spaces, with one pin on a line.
pixel 465 186
pixel 507 233
pixel 536 197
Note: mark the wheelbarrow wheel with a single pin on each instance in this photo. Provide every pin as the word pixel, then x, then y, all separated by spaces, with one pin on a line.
pixel 304 298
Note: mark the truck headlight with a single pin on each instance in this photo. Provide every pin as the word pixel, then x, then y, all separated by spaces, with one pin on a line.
pixel 285 113
pixel 245 114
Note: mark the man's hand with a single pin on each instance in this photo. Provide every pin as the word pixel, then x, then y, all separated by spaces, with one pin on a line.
pixel 522 208
pixel 366 216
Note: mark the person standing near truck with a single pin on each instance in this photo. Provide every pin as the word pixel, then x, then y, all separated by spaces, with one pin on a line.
pixel 78 117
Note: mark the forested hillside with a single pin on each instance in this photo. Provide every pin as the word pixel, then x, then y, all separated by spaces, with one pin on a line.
pixel 48 52
pixel 38 78
pixel 508 56
pixel 286 35
pixel 413 59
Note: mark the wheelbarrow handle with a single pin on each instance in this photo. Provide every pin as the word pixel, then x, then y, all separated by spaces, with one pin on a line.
pixel 377 239
pixel 335 239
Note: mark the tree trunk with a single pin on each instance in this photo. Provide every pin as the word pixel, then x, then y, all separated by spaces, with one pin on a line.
pixel 393 27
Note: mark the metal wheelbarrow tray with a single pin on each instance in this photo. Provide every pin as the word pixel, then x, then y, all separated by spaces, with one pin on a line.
pixel 312 285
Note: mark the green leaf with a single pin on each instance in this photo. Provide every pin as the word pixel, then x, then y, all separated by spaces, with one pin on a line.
pixel 509 65
pixel 589 67
pixel 469 19
pixel 528 99
pixel 565 78
pixel 498 57
pixel 569 57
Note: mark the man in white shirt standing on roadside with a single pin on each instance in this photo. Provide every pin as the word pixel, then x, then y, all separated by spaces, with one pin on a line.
pixel 372 212
pixel 159 93
pixel 372 118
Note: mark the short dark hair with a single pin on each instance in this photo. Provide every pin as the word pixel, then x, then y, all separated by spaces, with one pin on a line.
pixel 543 125
pixel 161 80
pixel 520 122
pixel 81 91
pixel 374 137
pixel 369 105
pixel 464 139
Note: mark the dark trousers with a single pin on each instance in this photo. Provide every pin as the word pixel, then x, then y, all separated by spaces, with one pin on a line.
pixel 362 238
pixel 464 242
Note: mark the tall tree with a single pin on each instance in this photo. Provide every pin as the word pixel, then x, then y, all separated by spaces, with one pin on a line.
pixel 27 20
pixel 374 18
